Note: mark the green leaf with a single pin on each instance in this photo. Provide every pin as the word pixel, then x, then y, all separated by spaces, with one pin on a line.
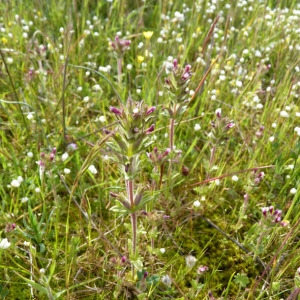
pixel 241 279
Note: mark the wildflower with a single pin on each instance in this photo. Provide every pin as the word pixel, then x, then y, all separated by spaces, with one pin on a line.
pixel 86 99
pixel 4 244
pixel 197 127
pixel 202 269
pixel 67 171
pixel 96 87
pixel 197 203
pixel 92 169
pixel 293 191
pixel 123 259
pixel 24 199
pixel 238 83
pixel 4 40
pixel 15 183
pixel 147 34
pixel 65 156
pixel 30 116
pixel 116 111
pixel 140 58
pixel 190 261
pixel 162 250
pixel 234 178
pixel 166 280
pixel 284 223
pixel 10 227
pixel 9 60
pixel 37 190
pixel 265 210
pixel 119 45
pixel 218 112
pixel 72 147
pixel 284 114
pixel 102 119
pixel 271 139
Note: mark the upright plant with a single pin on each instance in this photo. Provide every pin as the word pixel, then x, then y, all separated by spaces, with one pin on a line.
pixel 129 142
pixel 177 85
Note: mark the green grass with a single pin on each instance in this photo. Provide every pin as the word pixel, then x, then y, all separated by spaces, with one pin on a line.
pixel 70 235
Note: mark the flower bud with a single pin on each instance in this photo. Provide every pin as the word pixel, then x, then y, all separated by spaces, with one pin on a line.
pixel 150 129
pixel 115 111
pixel 150 110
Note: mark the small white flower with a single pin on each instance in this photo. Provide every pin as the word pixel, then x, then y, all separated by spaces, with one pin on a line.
pixel 234 178
pixel 86 99
pixel 257 53
pixel 65 156
pixel 67 171
pixel 274 125
pixel 26 244
pixel 271 139
pixel 160 93
pixel 79 89
pixel 297 114
pixel 190 261
pixel 217 181
pixel 166 280
pixel 4 244
pixel 25 35
pixel 30 154
pixel 284 114
pixel 42 271
pixel 162 250
pixel 102 119
pixel 24 199
pixel 96 87
pixel 138 91
pixel 129 67
pixel 197 203
pixel 37 190
pixel 92 169
pixel 9 60
pixel 135 110
pixel 293 191
pixel 15 183
pixel 197 127
pixel 20 179
pixel 218 112
pixel 238 83
pixel 30 116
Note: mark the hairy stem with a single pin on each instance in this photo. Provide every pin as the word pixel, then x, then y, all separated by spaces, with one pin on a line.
pixel 120 70
pixel 171 141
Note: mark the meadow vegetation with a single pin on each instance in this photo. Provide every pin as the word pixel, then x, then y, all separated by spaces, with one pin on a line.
pixel 149 149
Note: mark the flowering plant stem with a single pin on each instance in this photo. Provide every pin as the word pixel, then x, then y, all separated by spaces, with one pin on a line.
pixel 133 217
pixel 119 70
pixel 171 140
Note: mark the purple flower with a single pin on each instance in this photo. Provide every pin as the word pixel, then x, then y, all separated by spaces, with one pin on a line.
pixel 115 111
pixel 150 129
pixel 175 63
pixel 150 110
